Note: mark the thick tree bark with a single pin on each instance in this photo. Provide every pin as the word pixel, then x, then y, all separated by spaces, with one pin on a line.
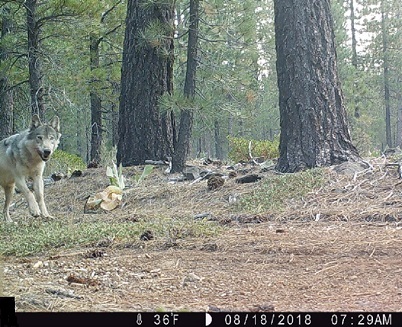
pixel 37 91
pixel 147 73
pixel 186 115
pixel 96 105
pixel 6 95
pixel 314 130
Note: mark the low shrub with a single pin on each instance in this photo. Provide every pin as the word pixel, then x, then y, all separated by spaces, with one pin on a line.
pixel 239 148
pixel 64 162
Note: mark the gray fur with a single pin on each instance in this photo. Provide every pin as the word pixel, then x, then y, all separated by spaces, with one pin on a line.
pixel 24 156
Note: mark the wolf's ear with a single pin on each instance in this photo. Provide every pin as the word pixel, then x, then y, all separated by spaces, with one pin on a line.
pixel 55 123
pixel 35 122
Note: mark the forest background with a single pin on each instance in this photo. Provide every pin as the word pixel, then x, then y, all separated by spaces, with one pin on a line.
pixel 75 48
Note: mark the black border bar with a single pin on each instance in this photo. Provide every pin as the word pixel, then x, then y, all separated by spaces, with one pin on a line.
pixel 195 319
pixel 9 318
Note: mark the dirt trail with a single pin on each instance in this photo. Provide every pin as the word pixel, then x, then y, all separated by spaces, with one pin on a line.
pixel 290 267
pixel 337 249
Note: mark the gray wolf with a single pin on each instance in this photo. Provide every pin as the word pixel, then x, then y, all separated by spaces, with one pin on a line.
pixel 24 156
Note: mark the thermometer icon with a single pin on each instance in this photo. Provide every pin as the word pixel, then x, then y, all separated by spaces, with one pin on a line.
pixel 139 319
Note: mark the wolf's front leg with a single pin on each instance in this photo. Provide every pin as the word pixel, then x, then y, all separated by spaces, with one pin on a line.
pixel 8 190
pixel 32 204
pixel 39 194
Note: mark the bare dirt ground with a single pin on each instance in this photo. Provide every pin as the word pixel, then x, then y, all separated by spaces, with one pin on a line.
pixel 337 249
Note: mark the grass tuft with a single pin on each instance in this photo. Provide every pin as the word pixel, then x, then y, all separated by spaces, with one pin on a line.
pixel 275 192
pixel 37 237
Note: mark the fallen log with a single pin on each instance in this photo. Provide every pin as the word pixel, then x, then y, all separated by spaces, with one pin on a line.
pixel 252 178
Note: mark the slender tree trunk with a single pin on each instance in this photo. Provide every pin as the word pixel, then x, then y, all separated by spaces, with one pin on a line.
pixel 314 131
pixel 115 125
pixel 354 51
pixel 96 105
pixel 147 73
pixel 199 147
pixel 384 33
pixel 78 131
pixel 353 32
pixel 186 115
pixel 37 91
pixel 6 95
pixel 399 128
pixel 218 141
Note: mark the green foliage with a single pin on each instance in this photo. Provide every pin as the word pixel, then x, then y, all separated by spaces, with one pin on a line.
pixel 154 34
pixel 276 192
pixel 116 176
pixel 64 162
pixel 239 148
pixel 37 236
pixel 145 173
pixel 236 75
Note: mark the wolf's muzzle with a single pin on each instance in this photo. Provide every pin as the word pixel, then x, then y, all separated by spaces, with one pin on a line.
pixel 46 155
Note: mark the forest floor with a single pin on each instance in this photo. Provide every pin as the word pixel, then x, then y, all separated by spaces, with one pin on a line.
pixel 338 247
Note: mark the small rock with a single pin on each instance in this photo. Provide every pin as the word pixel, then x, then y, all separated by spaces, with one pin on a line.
pixel 57 176
pixel 93 164
pixel 38 264
pixel 147 236
pixel 191 173
pixel 263 308
pixel 215 182
pixel 76 173
pixel 202 215
pixel 233 198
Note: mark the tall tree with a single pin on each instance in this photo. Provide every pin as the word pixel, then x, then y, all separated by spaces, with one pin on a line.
pixel 381 21
pixel 353 32
pixel 314 130
pixel 231 63
pixel 386 72
pixel 96 103
pixel 37 90
pixel 186 115
pixel 147 73
pixel 6 94
pixel 95 40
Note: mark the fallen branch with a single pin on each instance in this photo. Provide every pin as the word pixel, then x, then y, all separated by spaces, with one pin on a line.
pixel 156 162
pixel 250 155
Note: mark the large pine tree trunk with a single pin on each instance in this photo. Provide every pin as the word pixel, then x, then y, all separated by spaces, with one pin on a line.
pixel 314 130
pixel 186 115
pixel 6 95
pixel 147 73
pixel 35 61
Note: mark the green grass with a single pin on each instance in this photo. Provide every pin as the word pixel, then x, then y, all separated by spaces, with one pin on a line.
pixel 64 162
pixel 38 237
pixel 275 192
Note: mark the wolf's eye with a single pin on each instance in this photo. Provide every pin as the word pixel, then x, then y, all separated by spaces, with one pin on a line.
pixel 51 138
pixel 39 137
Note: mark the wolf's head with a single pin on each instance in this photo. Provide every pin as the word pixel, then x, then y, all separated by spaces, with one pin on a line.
pixel 45 136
